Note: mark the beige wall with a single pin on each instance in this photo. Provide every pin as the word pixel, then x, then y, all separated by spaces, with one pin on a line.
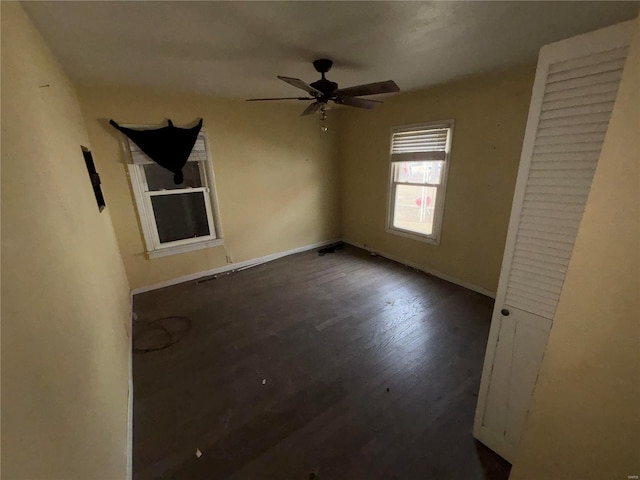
pixel 65 297
pixel 278 182
pixel 490 113
pixel 584 419
pixel 275 174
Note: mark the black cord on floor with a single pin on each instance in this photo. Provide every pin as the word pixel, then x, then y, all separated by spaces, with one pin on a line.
pixel 172 329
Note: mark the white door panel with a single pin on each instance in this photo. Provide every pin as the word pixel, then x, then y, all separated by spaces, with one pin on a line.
pixel 495 413
pixel 521 341
pixel 529 341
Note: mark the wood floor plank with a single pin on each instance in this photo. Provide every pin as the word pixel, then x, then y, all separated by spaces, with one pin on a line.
pixel 371 369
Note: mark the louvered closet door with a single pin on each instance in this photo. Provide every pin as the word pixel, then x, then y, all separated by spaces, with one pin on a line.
pixel 573 96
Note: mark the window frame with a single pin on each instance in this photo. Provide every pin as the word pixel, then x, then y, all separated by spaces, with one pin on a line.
pixel 438 209
pixel 144 207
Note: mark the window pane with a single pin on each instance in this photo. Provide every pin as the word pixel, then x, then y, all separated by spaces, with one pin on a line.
pixel 419 172
pixel 413 208
pixel 159 178
pixel 180 216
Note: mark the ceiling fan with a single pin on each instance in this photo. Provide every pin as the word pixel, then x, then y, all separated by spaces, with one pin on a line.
pixel 323 91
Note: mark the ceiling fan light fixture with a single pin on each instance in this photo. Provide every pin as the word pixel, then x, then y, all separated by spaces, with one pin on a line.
pixel 323 118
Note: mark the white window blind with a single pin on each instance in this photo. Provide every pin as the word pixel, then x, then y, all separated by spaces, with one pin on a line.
pixel 419 161
pixel 420 145
pixel 577 103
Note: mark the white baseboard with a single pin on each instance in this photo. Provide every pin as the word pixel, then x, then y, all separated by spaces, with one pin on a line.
pixel 435 273
pixel 232 266
pixel 275 256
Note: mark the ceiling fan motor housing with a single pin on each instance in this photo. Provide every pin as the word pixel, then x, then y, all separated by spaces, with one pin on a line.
pixel 327 87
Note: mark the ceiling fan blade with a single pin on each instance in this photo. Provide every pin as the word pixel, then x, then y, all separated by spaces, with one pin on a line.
pixel 357 102
pixel 296 82
pixel 311 109
pixel 281 98
pixel 369 89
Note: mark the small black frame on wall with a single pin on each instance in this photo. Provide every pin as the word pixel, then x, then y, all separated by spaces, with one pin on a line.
pixel 94 177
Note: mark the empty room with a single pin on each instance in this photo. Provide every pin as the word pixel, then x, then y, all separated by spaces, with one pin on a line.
pixel 320 240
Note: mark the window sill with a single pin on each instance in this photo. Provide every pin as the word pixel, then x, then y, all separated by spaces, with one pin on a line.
pixel 414 236
pixel 190 247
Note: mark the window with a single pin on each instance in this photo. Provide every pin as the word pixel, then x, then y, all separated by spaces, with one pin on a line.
pixel 419 165
pixel 94 177
pixel 175 218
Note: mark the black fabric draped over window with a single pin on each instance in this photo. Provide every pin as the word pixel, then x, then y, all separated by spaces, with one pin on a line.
pixel 168 146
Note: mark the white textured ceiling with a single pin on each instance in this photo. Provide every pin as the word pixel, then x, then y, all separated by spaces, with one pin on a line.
pixel 236 49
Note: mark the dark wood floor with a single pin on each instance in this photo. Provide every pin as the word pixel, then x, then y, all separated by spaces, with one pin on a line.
pixel 372 371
